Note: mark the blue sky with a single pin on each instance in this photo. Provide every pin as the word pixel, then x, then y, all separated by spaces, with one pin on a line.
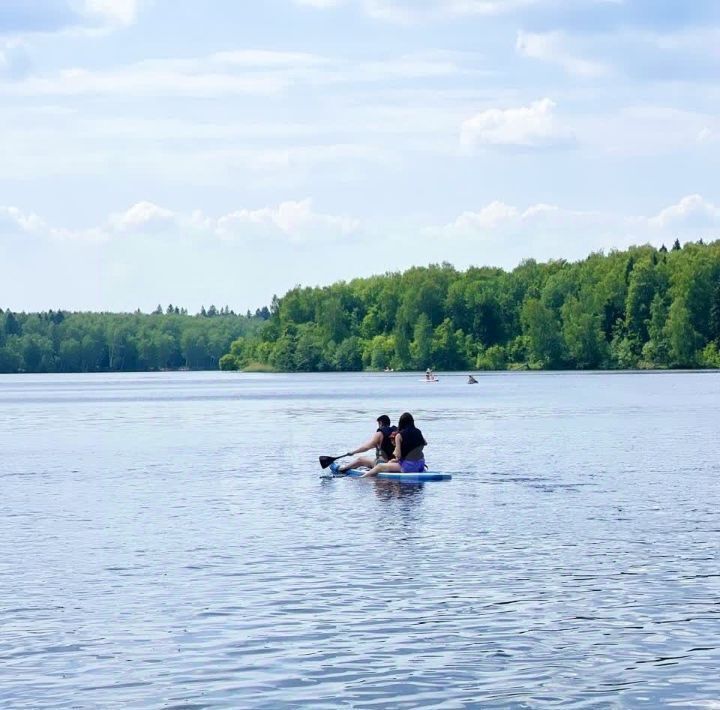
pixel 218 152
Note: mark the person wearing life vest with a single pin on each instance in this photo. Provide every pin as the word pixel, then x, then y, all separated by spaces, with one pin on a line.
pixel 409 455
pixel 383 441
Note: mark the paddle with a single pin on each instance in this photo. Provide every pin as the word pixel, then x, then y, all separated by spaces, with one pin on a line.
pixel 325 461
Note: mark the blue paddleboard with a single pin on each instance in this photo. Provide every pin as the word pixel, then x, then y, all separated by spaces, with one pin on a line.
pixel 394 476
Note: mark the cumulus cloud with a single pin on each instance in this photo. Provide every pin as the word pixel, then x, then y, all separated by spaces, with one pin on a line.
pixel 144 216
pixel 530 126
pixel 579 231
pixel 692 212
pixel 291 220
pixel 294 219
pixel 15 220
pixel 499 217
pixel 552 47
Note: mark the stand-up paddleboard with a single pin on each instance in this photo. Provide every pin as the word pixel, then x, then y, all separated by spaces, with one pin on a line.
pixel 424 379
pixel 393 475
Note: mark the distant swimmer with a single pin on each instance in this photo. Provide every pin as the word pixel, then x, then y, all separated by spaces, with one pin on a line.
pixel 471 380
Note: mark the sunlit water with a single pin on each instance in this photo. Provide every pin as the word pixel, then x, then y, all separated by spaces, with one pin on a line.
pixel 166 541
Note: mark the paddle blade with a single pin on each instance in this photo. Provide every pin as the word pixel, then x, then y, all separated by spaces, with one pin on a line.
pixel 325 461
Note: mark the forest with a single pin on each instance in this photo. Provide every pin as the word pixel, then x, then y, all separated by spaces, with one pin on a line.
pixel 639 308
pixel 59 341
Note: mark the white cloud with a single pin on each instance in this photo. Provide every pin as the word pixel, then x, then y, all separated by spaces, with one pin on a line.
pixel 692 212
pixel 164 78
pixel 144 216
pixel 292 220
pixel 120 13
pixel 409 11
pixel 551 47
pixel 263 59
pixel 260 72
pixel 489 217
pixel 706 135
pixel 14 59
pixel 13 219
pixel 527 126
pixel 499 217
pixel 571 233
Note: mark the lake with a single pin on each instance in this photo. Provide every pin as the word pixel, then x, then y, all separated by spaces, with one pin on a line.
pixel 166 540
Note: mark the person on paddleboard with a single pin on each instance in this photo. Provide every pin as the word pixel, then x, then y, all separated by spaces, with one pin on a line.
pixel 383 441
pixel 409 455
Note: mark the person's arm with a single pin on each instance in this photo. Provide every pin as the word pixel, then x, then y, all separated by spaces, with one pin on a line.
pixel 398 446
pixel 373 443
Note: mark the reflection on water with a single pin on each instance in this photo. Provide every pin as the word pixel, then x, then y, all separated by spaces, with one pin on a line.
pixel 388 490
pixel 166 541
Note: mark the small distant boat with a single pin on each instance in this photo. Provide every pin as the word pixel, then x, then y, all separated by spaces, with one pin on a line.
pixel 432 379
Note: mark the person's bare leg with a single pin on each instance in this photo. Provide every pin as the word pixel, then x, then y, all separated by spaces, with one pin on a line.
pixel 360 462
pixel 382 467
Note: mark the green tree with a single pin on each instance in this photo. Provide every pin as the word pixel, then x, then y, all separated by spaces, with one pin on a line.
pixel 348 355
pixel 656 350
pixel 193 344
pixel 379 353
pixel 309 350
pixel 583 334
pixel 282 355
pixel 422 344
pixel 681 335
pixel 70 359
pixel 641 291
pixel 447 347
pixel 542 329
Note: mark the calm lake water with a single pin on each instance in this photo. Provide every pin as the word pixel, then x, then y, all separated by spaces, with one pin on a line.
pixel 166 541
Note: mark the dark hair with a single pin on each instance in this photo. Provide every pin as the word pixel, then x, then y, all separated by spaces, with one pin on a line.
pixel 383 420
pixel 406 420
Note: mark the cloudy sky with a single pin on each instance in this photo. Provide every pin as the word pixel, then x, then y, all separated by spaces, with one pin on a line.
pixel 201 152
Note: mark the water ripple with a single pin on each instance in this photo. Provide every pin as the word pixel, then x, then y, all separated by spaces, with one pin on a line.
pixel 165 541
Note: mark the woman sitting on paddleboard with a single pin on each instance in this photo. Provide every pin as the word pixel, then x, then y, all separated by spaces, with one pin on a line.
pixel 409 444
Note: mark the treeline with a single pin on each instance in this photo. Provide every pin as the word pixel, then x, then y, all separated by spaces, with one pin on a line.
pixel 59 341
pixel 640 308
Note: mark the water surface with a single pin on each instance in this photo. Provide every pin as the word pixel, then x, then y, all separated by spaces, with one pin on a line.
pixel 166 541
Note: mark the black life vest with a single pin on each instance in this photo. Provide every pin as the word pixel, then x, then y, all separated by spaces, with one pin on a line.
pixel 387 446
pixel 411 447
